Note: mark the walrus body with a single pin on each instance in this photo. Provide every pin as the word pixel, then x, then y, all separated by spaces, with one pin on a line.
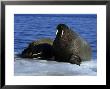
pixel 39 49
pixel 70 47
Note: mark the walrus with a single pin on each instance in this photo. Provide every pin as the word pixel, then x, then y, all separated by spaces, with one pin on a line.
pixel 41 49
pixel 70 47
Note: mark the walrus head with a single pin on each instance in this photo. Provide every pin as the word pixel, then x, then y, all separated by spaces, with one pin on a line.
pixel 61 28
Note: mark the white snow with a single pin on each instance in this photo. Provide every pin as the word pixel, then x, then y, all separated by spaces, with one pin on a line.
pixel 31 67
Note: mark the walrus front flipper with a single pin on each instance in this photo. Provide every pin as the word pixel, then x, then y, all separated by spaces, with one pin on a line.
pixel 75 59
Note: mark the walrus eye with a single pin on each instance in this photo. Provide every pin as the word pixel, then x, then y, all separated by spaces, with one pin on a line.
pixel 56 32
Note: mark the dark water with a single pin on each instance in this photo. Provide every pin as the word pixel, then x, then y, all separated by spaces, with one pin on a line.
pixel 30 27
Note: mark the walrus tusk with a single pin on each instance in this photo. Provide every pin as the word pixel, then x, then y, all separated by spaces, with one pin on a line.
pixel 62 33
pixel 37 54
pixel 39 57
pixel 56 32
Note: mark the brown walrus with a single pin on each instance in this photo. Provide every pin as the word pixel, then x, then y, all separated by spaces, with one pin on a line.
pixel 41 49
pixel 70 47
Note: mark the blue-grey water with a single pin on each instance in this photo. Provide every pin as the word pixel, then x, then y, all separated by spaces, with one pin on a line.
pixel 31 27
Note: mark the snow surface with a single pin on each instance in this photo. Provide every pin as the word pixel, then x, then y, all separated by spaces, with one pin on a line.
pixel 30 67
